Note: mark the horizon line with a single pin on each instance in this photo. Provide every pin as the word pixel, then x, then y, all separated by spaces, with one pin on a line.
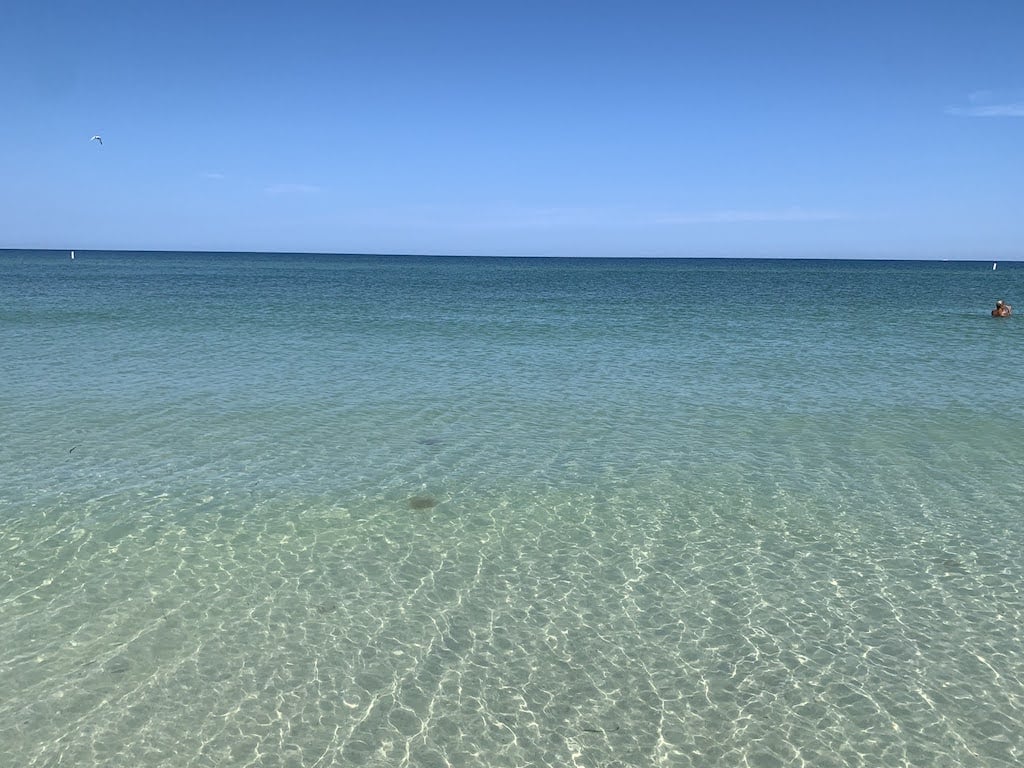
pixel 344 254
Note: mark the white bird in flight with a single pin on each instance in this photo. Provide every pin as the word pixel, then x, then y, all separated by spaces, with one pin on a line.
pixel 97 138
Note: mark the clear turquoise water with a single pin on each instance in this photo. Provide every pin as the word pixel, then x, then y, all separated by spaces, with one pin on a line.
pixel 267 510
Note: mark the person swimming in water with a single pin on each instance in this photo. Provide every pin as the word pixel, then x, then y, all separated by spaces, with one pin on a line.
pixel 1002 309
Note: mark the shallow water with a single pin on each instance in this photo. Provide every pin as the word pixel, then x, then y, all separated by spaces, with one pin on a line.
pixel 306 510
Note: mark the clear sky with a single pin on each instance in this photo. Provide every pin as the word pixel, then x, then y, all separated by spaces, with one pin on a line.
pixel 871 128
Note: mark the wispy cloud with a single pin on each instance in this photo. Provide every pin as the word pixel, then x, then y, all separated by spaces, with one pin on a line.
pixel 291 189
pixel 990 104
pixel 213 175
pixel 746 216
pixel 992 110
pixel 555 219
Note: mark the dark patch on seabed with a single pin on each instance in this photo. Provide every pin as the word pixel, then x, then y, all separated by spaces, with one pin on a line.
pixel 951 565
pixel 422 502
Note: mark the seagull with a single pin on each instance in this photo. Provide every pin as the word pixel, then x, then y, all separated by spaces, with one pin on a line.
pixel 97 138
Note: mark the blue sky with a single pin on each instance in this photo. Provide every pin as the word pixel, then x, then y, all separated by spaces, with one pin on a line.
pixel 877 129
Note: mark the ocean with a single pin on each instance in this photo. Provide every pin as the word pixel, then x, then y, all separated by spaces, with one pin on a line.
pixel 314 510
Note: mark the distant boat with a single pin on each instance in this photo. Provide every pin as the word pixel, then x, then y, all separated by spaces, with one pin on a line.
pixel 72 255
pixel 994 264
